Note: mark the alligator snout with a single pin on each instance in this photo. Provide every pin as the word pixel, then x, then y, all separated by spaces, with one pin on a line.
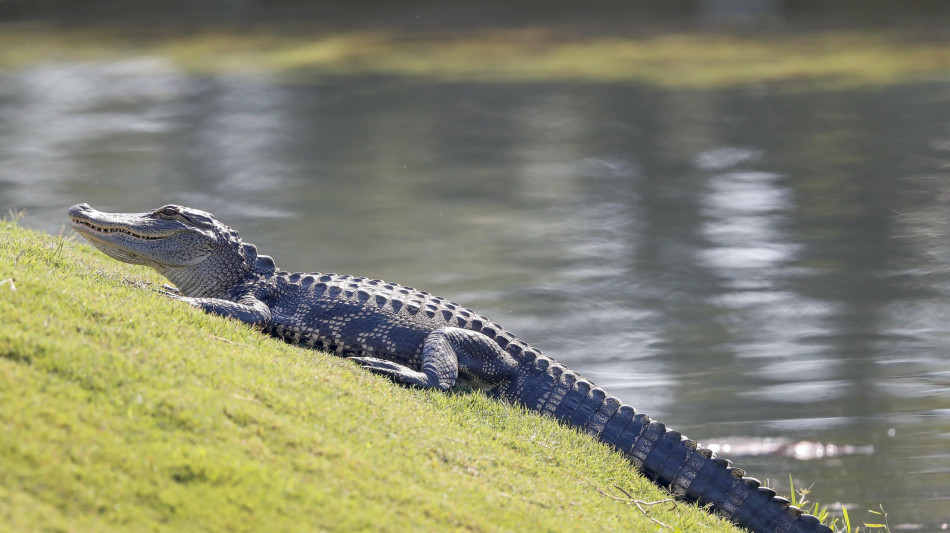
pixel 78 208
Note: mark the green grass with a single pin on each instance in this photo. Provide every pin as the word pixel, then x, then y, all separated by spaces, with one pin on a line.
pixel 702 60
pixel 121 410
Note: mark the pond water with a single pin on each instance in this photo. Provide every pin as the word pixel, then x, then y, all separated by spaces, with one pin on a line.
pixel 762 269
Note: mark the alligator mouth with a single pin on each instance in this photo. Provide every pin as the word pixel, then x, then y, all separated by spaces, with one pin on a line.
pixel 80 225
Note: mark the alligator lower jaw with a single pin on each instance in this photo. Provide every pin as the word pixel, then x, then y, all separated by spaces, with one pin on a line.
pixel 86 227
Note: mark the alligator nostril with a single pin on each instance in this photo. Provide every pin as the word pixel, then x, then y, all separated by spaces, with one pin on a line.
pixel 72 211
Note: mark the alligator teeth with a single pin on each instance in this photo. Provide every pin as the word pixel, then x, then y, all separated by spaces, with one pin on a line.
pixel 99 229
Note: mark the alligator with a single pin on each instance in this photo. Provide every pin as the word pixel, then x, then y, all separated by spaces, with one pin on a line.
pixel 421 340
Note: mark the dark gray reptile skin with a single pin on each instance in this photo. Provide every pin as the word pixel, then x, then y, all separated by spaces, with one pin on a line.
pixel 421 340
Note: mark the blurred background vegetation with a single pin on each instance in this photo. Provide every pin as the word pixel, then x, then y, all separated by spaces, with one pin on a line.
pixel 680 43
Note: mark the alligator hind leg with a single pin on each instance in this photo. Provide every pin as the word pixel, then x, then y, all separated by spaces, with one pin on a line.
pixel 449 356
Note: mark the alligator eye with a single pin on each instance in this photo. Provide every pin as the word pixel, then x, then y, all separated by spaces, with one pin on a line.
pixel 168 211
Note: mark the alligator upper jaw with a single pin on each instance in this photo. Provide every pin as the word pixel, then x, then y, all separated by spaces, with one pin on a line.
pixel 100 226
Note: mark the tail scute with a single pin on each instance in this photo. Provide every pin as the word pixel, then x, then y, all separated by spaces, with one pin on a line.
pixel 688 470
pixel 694 473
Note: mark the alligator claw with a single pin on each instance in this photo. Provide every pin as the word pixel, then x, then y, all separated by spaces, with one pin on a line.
pixel 166 288
pixel 173 293
pixel 177 295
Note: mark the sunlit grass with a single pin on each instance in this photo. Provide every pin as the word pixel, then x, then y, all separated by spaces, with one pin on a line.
pixel 700 60
pixel 121 410
pixel 799 498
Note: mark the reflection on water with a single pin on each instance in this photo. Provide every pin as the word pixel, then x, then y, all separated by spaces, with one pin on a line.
pixel 739 262
pixel 802 450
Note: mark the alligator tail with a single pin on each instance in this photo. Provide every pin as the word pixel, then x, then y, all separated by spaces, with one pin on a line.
pixel 681 465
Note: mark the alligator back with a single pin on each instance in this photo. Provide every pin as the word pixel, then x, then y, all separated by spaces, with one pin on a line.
pixel 357 316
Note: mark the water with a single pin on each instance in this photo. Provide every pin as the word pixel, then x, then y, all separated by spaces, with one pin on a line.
pixel 752 266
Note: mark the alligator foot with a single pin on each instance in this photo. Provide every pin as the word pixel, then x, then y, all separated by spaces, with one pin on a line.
pixel 448 356
pixel 398 373
pixel 248 309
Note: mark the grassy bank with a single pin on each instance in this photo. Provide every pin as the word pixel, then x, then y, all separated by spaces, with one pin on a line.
pixel 123 411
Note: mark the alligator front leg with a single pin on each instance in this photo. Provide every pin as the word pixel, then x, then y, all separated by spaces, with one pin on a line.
pixel 450 355
pixel 249 310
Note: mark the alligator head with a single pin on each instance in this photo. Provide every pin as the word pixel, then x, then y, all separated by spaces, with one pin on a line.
pixel 201 256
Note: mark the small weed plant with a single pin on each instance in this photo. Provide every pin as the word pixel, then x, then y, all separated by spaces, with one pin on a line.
pixel 799 499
